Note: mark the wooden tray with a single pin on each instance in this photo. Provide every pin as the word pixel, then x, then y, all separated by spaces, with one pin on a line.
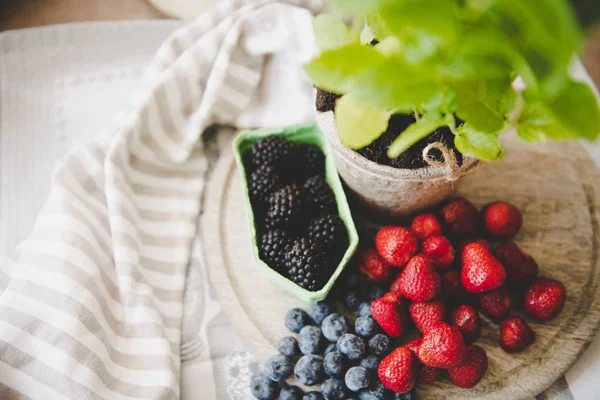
pixel 557 187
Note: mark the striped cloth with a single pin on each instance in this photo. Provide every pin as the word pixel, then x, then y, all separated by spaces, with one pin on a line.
pixel 94 307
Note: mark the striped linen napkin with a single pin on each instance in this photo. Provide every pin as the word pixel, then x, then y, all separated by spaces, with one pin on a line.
pixel 94 307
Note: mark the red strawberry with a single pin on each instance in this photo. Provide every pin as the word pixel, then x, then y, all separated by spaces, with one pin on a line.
pixel 440 250
pixel 520 266
pixel 398 371
pixel 428 374
pixel 372 265
pixel 442 347
pixel 425 315
pixel 481 272
pixel 495 304
pixel 470 372
pixel 467 321
pixel 389 314
pixel 426 225
pixel 414 344
pixel 460 216
pixel 501 220
pixel 419 281
pixel 545 298
pixel 452 287
pixel 515 335
pixel 396 245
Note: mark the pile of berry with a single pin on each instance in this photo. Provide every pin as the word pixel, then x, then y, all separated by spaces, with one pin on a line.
pixel 300 233
pixel 439 274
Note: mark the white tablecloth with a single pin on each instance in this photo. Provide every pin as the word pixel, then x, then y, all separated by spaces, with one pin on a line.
pixel 79 86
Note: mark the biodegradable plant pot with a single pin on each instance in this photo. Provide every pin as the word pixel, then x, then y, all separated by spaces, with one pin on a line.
pixel 382 191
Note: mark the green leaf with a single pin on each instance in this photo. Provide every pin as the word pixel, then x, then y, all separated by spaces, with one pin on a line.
pixel 415 132
pixel 366 35
pixel 389 46
pixel 576 109
pixel 358 6
pixel 330 32
pixel 485 104
pixel 483 145
pixel 335 70
pixel 377 26
pixel 395 85
pixel 358 124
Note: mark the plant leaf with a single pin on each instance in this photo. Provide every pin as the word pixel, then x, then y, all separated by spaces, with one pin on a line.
pixel 415 132
pixel 358 6
pixel 395 85
pixel 330 32
pixel 366 35
pixel 335 70
pixel 377 26
pixel 485 104
pixel 483 145
pixel 358 124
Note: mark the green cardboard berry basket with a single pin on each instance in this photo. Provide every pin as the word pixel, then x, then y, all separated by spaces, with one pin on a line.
pixel 306 133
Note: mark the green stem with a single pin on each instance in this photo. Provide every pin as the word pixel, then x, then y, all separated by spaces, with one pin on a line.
pixel 413 134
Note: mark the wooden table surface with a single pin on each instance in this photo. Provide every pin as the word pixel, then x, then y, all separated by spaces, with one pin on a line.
pixel 16 14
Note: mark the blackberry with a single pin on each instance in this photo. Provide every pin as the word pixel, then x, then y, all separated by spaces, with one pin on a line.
pixel 262 182
pixel 285 208
pixel 312 161
pixel 306 264
pixel 328 230
pixel 320 196
pixel 273 150
pixel 272 248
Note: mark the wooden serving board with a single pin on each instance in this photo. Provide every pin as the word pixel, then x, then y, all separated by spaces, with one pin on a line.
pixel 557 187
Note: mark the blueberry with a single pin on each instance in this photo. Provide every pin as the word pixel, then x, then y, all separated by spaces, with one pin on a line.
pixel 291 392
pixel 357 378
pixel 366 326
pixel 330 347
pixel 334 326
pixel 313 395
pixel 262 387
pixel 355 280
pixel 375 392
pixel 364 310
pixel 333 389
pixel 370 362
pixel 278 368
pixel 375 292
pixel 309 370
pixel 320 311
pixel 379 344
pixel 352 299
pixel 412 395
pixel 351 346
pixel 309 340
pixel 288 346
pixel 335 364
pixel 296 319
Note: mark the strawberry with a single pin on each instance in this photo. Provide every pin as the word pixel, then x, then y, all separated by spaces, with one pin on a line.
pixel 396 245
pixel 419 281
pixel 467 321
pixel 501 220
pixel 520 266
pixel 425 315
pixel 426 225
pixel 459 216
pixel 545 298
pixel 414 344
pixel 372 265
pixel 470 372
pixel 428 374
pixel 481 271
pixel 439 250
pixel 398 371
pixel 452 287
pixel 389 314
pixel 495 304
pixel 442 346
pixel 515 335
